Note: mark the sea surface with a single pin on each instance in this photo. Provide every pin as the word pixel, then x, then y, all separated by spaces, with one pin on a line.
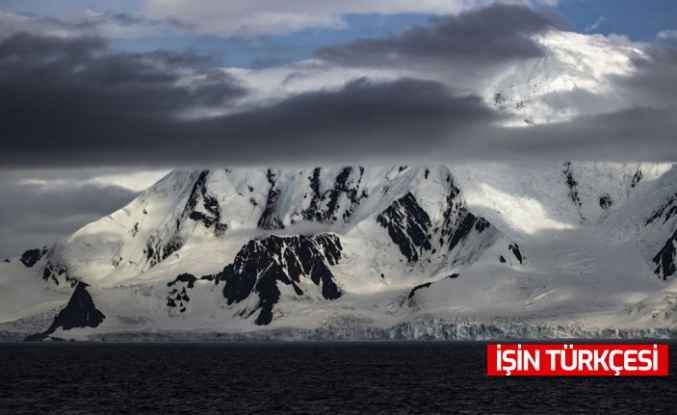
pixel 301 378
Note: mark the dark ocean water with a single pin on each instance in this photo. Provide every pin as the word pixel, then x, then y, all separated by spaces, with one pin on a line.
pixel 301 378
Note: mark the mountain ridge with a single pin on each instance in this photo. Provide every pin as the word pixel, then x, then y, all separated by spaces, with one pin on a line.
pixel 235 250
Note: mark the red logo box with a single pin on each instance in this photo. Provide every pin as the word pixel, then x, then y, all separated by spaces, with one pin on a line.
pixel 577 360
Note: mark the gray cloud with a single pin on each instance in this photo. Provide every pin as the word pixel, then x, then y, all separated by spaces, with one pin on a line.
pixel 655 82
pixel 72 102
pixel 32 215
pixel 82 71
pixel 494 34
pixel 64 93
pixel 363 119
pixel 86 23
pixel 631 134
pixel 68 103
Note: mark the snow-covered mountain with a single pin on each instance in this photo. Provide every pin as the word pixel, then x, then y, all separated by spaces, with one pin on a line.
pixel 474 250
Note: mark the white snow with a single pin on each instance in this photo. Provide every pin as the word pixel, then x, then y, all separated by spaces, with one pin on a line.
pixel 585 269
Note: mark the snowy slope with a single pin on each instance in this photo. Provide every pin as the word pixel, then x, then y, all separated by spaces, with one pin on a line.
pixel 561 246
pixel 568 81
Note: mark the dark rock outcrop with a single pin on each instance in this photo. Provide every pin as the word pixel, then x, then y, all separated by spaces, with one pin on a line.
pixel 79 312
pixel 324 206
pixel 156 251
pixel 665 259
pixel 262 264
pixel 464 224
pixel 516 251
pixel 32 256
pixel 572 184
pixel 270 219
pixel 55 271
pixel 408 226
pixel 178 296
pixel 459 223
pixel 418 287
pixel 209 212
pixel 667 210
pixel 200 207
pixel 636 178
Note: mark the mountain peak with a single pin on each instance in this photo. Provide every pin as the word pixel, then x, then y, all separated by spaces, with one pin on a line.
pixel 240 248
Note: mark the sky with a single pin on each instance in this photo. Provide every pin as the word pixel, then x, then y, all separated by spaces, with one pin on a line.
pixel 101 99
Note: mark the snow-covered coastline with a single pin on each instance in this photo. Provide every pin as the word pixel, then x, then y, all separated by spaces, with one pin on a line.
pixel 434 329
pixel 487 251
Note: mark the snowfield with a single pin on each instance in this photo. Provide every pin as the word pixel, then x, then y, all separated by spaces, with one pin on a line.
pixel 468 251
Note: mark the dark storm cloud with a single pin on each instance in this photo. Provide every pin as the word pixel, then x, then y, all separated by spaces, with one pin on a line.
pixel 655 82
pixel 631 134
pixel 71 102
pixel 64 94
pixel 363 119
pixel 34 214
pixel 119 110
pixel 494 34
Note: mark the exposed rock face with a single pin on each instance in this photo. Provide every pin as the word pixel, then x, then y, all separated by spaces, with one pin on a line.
pixel 605 202
pixel 418 287
pixel 209 211
pixel 516 251
pixel 178 295
pixel 79 312
pixel 201 207
pixel 459 223
pixel 324 203
pixel 411 229
pixel 572 184
pixel 262 264
pixel 54 272
pixel 32 256
pixel 665 259
pixel 270 218
pixel 636 178
pixel 408 226
pixel 666 211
